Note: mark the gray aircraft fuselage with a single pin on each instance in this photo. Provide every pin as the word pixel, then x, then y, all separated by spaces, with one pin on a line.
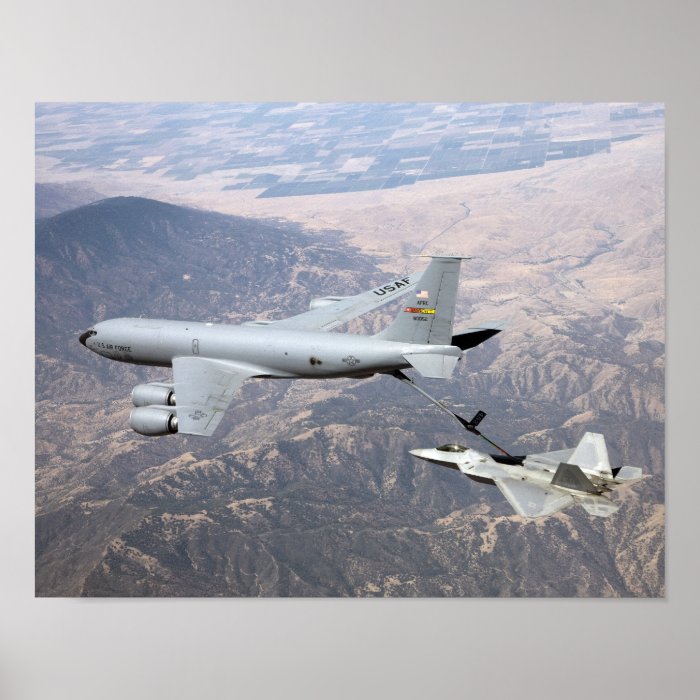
pixel 210 361
pixel 271 352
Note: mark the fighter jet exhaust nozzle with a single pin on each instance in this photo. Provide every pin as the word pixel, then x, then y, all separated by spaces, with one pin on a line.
pixel 153 394
pixel 153 420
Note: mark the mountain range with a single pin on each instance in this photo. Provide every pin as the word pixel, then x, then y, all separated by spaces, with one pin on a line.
pixel 308 489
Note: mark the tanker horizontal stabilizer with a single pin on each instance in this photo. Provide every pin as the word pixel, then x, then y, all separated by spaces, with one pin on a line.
pixel 432 366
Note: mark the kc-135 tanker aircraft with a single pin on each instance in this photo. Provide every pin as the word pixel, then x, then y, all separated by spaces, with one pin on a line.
pixel 211 361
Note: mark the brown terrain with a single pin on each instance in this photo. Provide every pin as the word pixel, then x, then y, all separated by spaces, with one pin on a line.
pixel 308 489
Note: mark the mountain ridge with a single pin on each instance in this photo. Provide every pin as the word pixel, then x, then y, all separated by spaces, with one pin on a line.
pixel 309 488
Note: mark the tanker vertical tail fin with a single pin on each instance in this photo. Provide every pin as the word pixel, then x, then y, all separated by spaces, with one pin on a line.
pixel 427 318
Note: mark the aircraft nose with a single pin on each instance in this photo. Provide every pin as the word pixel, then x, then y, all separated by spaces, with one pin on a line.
pixel 84 337
pixel 419 452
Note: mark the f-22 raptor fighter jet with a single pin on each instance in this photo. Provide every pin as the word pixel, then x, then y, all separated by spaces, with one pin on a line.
pixel 542 484
pixel 211 361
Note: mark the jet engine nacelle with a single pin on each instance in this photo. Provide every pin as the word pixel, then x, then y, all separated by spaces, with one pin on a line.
pixel 324 301
pixel 153 420
pixel 153 394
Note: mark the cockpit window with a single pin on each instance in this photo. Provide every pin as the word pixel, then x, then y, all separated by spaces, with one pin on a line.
pixel 92 332
pixel 452 448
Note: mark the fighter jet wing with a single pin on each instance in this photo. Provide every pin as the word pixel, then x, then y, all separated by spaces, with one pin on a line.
pixel 204 389
pixel 531 500
pixel 327 317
